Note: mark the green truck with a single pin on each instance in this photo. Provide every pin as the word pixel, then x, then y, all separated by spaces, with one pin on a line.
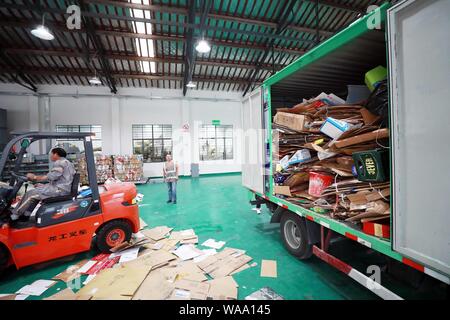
pixel 409 38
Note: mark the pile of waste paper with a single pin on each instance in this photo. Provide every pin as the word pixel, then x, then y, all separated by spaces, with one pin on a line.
pixel 333 158
pixel 158 264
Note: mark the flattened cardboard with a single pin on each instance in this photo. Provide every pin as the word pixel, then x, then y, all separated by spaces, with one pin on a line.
pixel 269 268
pixel 290 120
pixel 71 272
pixel 283 190
pixel 224 288
pixel 374 135
pixel 66 294
pixel 192 286
pixel 157 233
pixel 154 287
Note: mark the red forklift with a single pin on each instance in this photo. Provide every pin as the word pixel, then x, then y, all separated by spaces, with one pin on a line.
pixel 62 225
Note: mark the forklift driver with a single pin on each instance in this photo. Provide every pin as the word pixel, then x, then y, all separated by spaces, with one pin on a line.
pixel 59 183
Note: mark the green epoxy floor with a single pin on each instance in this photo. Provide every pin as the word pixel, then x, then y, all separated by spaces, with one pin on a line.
pixel 217 207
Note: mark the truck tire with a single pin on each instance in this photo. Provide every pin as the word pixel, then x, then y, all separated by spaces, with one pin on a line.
pixel 112 234
pixel 295 236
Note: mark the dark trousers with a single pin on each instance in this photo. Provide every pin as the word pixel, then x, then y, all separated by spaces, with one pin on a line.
pixel 172 186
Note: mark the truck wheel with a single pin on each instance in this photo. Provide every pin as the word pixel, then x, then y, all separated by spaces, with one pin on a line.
pixel 112 234
pixel 295 236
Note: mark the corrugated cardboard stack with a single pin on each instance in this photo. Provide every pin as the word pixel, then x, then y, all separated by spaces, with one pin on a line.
pixel 331 158
pixel 128 168
pixel 103 166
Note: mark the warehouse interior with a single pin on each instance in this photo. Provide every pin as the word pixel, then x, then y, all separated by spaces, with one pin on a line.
pixel 239 105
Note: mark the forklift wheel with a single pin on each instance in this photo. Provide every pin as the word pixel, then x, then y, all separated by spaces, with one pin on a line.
pixel 112 234
pixel 295 236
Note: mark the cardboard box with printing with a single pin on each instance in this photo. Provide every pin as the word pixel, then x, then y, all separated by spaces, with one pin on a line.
pixel 292 121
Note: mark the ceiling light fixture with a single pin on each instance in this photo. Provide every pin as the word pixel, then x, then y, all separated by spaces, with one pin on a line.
pixel 191 84
pixel 42 32
pixel 203 46
pixel 95 80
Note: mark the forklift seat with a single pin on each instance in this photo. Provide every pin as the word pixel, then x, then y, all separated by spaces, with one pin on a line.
pixel 73 194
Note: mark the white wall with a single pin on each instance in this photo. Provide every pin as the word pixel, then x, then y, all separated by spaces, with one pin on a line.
pixel 71 105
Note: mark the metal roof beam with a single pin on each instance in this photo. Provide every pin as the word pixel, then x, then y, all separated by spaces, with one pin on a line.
pixel 123 56
pixel 125 75
pixel 283 23
pixel 90 28
pixel 128 34
pixel 16 71
pixel 214 15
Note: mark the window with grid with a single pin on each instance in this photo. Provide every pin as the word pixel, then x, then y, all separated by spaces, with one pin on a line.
pixel 96 140
pixel 216 142
pixel 152 141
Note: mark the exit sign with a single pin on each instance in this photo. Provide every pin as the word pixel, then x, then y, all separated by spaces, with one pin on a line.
pixel 216 122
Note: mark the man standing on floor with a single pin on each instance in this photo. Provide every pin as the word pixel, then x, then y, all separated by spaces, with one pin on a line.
pixel 170 173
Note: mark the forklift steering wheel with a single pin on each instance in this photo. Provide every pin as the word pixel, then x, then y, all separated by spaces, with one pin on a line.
pixel 19 177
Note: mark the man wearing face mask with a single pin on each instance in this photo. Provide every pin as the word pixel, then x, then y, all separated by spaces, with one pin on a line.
pixel 59 183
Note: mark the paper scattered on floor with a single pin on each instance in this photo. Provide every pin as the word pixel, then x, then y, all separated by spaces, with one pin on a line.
pixel 187 251
pixel 157 233
pixel 183 234
pixel 269 268
pixel 66 294
pixel 88 279
pixel 142 224
pixel 36 288
pixel 265 293
pixel 71 272
pixel 21 297
pixel 205 254
pixel 126 255
pixel 87 266
pixel 211 243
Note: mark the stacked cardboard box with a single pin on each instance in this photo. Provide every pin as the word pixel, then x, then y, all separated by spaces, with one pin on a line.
pixel 123 168
pixel 103 166
pixel 315 146
pixel 128 168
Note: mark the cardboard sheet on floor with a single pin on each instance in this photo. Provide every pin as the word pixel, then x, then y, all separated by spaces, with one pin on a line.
pixel 154 287
pixel 183 234
pixel 224 288
pixel 269 268
pixel 192 286
pixel 71 272
pixel 157 233
pixel 206 253
pixel 126 255
pixel 66 294
pixel 152 259
pixel 187 251
pixel 115 284
pixel 193 240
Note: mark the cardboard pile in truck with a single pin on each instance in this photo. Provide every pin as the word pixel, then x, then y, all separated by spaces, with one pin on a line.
pixel 343 142
pixel 158 266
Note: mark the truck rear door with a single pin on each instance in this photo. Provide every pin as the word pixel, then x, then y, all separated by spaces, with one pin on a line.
pixel 419 50
pixel 253 142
